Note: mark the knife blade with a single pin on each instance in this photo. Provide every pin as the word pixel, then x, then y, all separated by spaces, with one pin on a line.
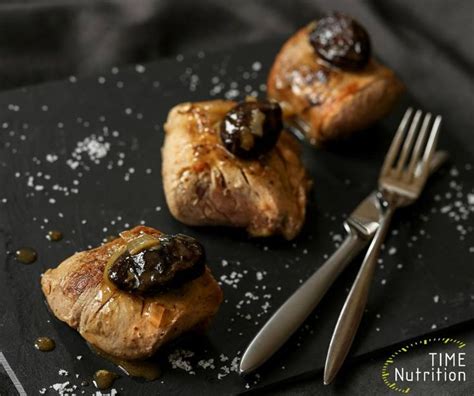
pixel 361 227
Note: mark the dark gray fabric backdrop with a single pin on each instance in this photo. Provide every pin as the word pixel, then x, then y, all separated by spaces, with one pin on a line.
pixel 41 40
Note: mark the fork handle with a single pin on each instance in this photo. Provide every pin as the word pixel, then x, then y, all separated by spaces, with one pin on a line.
pixel 286 320
pixel 353 309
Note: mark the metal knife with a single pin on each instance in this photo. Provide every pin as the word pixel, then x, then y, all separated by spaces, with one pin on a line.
pixel 361 227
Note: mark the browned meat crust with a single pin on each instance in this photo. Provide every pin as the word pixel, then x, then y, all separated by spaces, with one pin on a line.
pixel 206 185
pixel 326 102
pixel 119 323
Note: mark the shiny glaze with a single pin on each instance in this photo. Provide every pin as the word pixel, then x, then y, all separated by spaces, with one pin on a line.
pixel 341 41
pixel 319 96
pixel 205 119
pixel 251 128
pixel 54 235
pixel 26 255
pixel 311 78
pixel 147 369
pixel 152 265
pixel 104 379
pixel 45 344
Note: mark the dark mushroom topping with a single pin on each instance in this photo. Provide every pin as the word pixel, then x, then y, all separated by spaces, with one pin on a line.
pixel 151 265
pixel 251 128
pixel 341 41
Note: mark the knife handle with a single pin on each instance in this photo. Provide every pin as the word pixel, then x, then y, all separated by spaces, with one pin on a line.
pixel 289 317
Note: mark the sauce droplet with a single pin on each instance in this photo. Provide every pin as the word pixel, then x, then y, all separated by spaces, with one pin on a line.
pixel 104 379
pixel 54 235
pixel 26 255
pixel 45 344
pixel 148 369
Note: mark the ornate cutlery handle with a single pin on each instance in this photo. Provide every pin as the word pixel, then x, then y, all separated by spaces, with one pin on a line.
pixel 351 314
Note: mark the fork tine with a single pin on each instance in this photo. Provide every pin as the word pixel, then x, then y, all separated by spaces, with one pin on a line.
pixel 408 144
pixel 396 143
pixel 430 146
pixel 419 145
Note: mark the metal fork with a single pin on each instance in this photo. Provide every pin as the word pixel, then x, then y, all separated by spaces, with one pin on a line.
pixel 402 178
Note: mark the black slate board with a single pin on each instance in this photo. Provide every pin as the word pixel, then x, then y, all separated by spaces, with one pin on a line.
pixel 425 279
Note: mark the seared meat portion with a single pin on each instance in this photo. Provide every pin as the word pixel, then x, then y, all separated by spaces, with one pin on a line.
pixel 207 185
pixel 325 101
pixel 122 324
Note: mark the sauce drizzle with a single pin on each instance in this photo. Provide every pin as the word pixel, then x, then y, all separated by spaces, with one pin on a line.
pixel 26 255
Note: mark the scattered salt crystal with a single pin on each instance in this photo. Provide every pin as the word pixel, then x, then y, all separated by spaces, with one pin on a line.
pixel 445 209
pixel 205 364
pixel 223 358
pixel 256 66
pixel 470 199
pixel 232 94
pixel 61 388
pixel 51 158
pixel 179 360
pixel 436 299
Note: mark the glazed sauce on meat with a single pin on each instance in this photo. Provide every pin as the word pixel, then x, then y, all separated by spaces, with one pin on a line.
pixel 104 379
pixel 26 255
pixel 146 369
pixel 44 344
pixel 54 235
pixel 205 123
pixel 251 128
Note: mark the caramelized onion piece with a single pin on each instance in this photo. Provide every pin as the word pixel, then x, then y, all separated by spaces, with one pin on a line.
pixel 112 259
pixel 143 242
